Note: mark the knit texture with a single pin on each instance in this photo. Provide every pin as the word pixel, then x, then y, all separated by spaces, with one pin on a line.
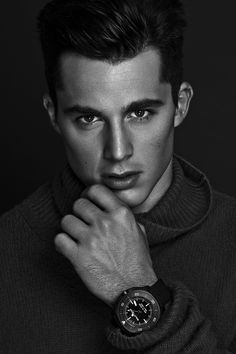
pixel 46 309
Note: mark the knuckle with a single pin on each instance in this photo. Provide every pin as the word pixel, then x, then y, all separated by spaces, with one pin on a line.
pixel 122 212
pixel 106 223
pixel 93 243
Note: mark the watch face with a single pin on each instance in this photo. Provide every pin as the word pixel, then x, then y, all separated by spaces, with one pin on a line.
pixel 138 310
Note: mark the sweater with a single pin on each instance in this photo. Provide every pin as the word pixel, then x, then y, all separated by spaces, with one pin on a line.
pixel 46 309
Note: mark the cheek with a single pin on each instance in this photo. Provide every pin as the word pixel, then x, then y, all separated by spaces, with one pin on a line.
pixel 83 162
pixel 157 149
pixel 74 143
pixel 159 131
pixel 156 141
pixel 82 154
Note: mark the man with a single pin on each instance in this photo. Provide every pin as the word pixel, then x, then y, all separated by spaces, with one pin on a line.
pixel 128 249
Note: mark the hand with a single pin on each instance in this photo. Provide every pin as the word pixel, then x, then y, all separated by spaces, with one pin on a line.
pixel 106 246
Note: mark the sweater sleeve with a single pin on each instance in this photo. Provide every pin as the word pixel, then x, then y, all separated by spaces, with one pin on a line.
pixel 182 329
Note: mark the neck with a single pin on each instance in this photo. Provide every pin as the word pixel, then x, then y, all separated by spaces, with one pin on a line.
pixel 158 190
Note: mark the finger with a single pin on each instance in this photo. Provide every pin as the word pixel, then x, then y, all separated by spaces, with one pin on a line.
pixel 74 227
pixel 65 245
pixel 86 210
pixel 102 197
pixel 144 234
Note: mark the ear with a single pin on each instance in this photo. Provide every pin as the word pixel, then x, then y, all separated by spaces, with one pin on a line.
pixel 184 98
pixel 50 108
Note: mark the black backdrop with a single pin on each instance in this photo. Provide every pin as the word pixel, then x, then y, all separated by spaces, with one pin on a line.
pixel 31 152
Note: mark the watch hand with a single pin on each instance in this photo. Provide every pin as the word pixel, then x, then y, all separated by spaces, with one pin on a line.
pixel 133 314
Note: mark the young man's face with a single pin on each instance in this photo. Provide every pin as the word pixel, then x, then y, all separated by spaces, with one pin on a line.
pixel 115 120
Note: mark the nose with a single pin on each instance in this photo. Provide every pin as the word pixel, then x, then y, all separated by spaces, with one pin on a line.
pixel 118 145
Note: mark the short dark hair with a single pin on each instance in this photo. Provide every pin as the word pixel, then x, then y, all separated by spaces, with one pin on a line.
pixel 113 30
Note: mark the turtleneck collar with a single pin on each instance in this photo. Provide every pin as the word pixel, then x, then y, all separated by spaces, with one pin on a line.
pixel 184 206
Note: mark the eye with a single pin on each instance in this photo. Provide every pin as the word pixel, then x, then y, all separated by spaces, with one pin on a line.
pixel 141 114
pixel 87 120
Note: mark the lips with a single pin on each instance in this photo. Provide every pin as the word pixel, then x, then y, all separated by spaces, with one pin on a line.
pixel 122 181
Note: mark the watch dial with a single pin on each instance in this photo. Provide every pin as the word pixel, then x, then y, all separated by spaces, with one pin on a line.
pixel 138 311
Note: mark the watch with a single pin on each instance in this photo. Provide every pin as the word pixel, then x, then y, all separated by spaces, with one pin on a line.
pixel 139 309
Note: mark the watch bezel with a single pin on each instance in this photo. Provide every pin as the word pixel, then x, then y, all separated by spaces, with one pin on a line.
pixel 121 307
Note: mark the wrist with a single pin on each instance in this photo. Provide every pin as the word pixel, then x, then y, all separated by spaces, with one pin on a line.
pixel 119 289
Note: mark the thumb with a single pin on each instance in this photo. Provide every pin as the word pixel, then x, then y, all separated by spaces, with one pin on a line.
pixel 142 228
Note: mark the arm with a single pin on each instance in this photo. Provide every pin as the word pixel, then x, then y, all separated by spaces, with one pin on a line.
pixel 108 250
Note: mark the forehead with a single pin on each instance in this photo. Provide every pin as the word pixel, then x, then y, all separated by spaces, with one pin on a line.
pixel 94 80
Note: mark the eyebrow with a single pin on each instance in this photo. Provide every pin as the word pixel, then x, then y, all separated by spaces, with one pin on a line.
pixel 133 106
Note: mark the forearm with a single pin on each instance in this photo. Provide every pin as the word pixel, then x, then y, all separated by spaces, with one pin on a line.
pixel 181 329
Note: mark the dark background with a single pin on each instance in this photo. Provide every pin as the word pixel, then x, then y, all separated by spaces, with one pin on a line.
pixel 30 150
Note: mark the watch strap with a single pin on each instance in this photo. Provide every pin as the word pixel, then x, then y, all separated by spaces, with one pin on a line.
pixel 160 292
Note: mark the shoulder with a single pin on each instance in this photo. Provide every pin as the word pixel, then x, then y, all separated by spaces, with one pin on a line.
pixel 14 231
pixel 224 202
pixel 221 221
pixel 24 214
pixel 9 220
pixel 28 229
pixel 31 198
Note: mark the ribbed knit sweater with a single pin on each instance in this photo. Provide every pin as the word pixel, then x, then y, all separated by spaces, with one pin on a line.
pixel 46 309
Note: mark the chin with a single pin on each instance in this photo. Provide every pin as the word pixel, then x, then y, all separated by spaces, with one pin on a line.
pixel 131 198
